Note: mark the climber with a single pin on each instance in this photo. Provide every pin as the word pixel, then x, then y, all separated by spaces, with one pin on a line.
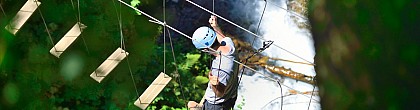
pixel 223 80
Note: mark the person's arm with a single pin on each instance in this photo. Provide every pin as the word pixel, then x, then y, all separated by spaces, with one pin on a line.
pixel 192 105
pixel 216 28
pixel 216 86
pixel 223 47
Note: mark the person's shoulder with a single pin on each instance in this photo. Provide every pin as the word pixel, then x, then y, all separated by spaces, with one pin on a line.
pixel 230 44
pixel 227 39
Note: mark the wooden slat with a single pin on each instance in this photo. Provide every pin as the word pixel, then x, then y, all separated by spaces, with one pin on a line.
pixel 108 65
pixel 67 40
pixel 152 91
pixel 22 16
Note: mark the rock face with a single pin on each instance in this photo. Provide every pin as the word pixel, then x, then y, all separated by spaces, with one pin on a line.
pixel 299 11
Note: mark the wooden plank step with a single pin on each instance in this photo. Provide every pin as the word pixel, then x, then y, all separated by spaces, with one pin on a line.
pixel 67 40
pixel 152 91
pixel 109 64
pixel 22 16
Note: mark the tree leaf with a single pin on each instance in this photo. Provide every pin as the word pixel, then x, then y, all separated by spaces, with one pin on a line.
pixel 135 3
pixel 201 80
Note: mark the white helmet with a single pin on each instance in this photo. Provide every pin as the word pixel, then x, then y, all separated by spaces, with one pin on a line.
pixel 203 37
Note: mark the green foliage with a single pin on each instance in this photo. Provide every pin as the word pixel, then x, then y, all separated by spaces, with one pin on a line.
pixel 240 105
pixel 46 82
pixel 201 80
pixel 191 60
pixel 377 50
pixel 11 93
pixel 135 3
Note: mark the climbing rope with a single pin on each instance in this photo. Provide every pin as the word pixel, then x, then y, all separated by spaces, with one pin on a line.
pixel 253 41
pixel 259 23
pixel 312 94
pixel 128 59
pixel 4 13
pixel 281 92
pixel 218 71
pixel 154 20
pixel 5 16
pixel 119 17
pixel 79 21
pixel 178 77
pixel 258 36
pixel 78 9
pixel 45 24
pixel 213 6
pixel 280 59
pixel 164 38
pixel 281 97
pixel 252 45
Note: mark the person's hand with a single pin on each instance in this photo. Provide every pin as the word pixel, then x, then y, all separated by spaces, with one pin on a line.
pixel 214 80
pixel 192 104
pixel 213 21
